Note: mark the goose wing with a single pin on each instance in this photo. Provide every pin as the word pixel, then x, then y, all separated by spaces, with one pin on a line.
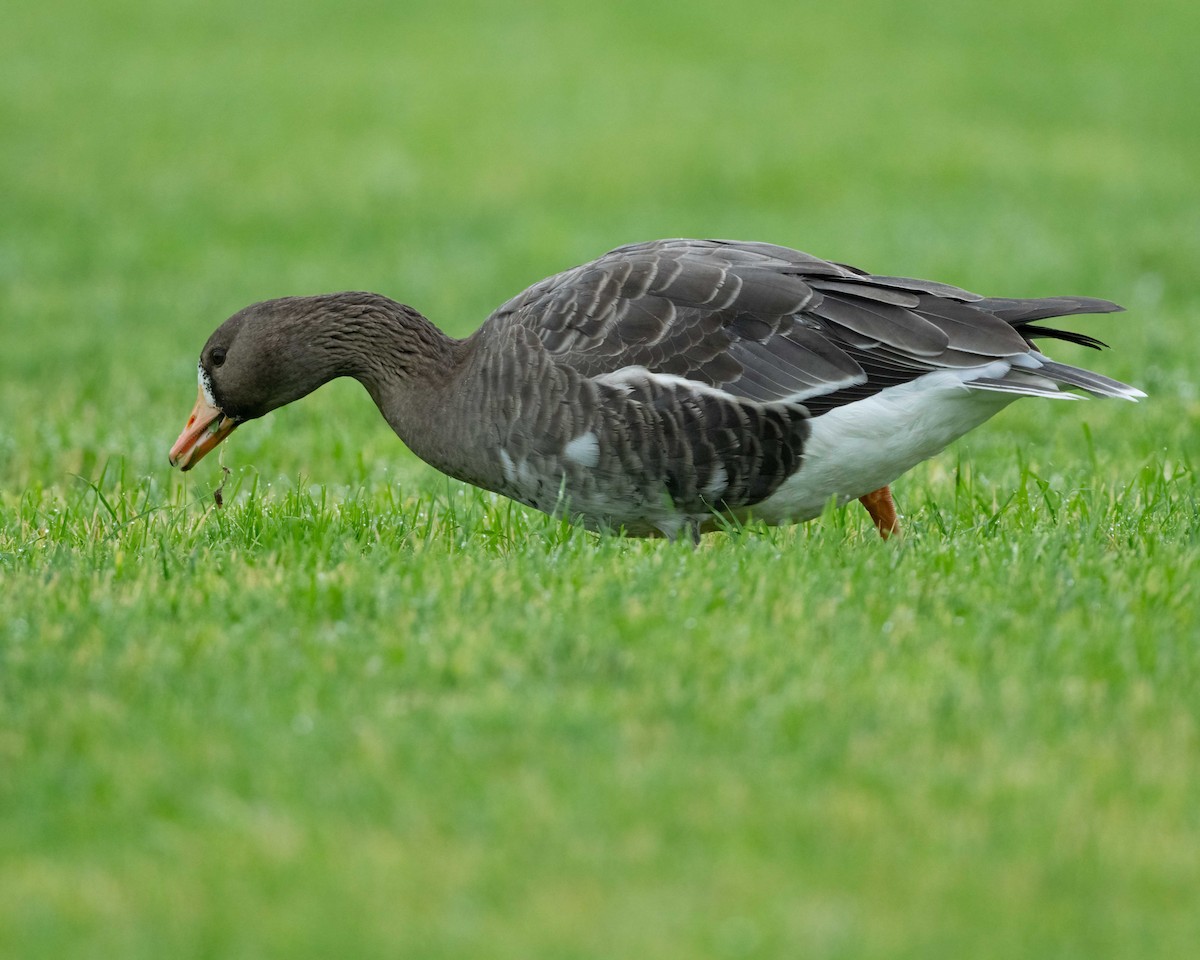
pixel 770 324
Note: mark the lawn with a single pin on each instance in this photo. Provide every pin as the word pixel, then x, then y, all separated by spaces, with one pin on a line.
pixel 361 710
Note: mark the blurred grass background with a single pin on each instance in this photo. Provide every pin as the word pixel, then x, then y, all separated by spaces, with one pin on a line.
pixel 304 728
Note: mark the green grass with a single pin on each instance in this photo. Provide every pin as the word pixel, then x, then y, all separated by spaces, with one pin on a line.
pixel 362 711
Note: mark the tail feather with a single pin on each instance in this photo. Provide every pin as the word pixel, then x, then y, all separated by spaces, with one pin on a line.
pixel 1030 332
pixel 1023 384
pixel 1094 383
pixel 1048 375
pixel 1021 313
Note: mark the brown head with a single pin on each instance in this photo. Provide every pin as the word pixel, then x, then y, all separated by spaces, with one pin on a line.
pixel 277 351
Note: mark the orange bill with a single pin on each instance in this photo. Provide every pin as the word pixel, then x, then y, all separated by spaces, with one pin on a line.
pixel 206 427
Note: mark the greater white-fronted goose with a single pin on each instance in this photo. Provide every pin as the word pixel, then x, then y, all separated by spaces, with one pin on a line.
pixel 665 385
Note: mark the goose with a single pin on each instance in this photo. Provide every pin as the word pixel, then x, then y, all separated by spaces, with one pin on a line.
pixel 668 387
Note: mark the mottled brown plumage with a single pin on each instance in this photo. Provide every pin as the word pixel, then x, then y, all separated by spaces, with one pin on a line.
pixel 663 385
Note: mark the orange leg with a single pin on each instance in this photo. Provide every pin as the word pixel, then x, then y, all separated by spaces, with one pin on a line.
pixel 882 508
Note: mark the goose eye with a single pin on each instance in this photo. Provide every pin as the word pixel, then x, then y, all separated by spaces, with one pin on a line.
pixel 217 357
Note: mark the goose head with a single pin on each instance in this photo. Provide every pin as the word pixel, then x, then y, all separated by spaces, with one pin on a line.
pixel 272 353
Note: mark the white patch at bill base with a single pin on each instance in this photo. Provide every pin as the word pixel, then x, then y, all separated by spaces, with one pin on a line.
pixel 205 382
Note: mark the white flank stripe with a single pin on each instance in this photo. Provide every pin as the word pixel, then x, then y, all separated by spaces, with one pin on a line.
pixel 626 377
